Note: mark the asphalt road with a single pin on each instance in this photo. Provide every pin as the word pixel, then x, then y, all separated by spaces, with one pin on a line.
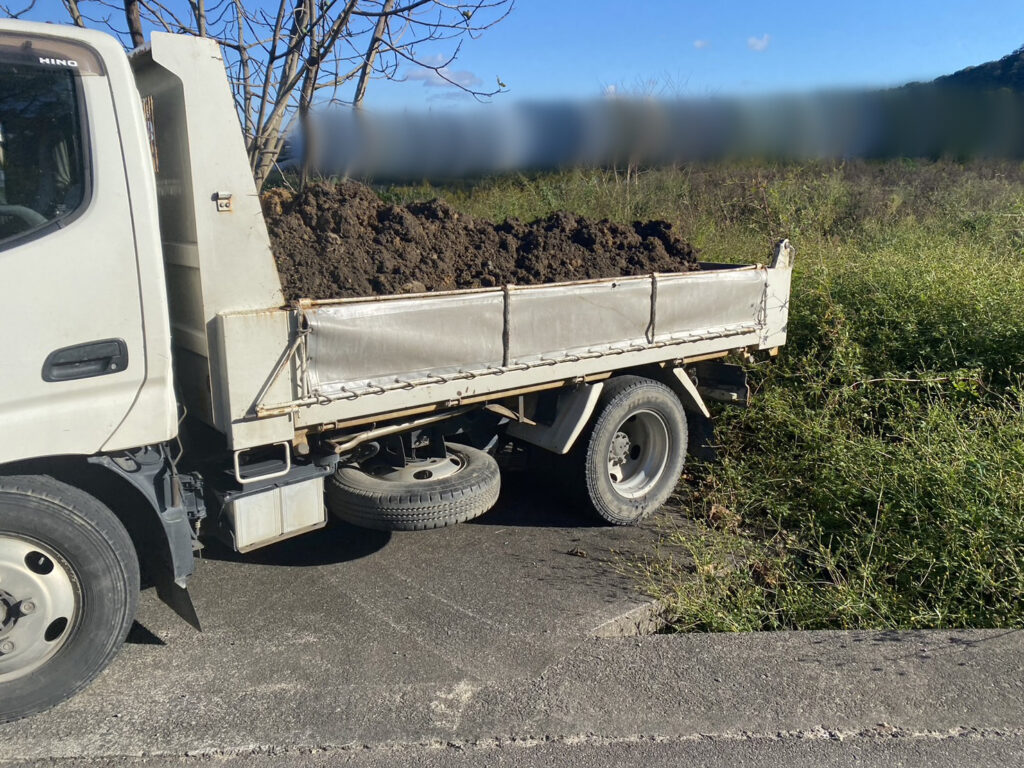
pixel 493 644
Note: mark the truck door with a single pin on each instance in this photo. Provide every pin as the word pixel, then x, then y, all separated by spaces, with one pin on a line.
pixel 72 359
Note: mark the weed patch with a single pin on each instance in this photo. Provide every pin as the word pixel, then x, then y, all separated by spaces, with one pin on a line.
pixel 877 479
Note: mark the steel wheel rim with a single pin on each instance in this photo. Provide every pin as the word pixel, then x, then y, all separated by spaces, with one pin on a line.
pixel 38 605
pixel 419 470
pixel 638 454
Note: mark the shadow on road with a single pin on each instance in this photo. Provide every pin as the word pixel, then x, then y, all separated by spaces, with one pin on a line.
pixel 535 502
pixel 337 543
pixel 141 635
pixel 525 502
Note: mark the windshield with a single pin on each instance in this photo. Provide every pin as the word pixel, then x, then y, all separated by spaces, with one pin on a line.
pixel 41 160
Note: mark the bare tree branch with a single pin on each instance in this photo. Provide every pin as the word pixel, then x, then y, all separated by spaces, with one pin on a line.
pixel 133 16
pixel 286 57
pixel 389 11
pixel 6 9
pixel 371 52
pixel 74 13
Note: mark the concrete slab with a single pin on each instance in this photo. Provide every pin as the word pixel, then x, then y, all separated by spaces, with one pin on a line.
pixel 960 690
pixel 750 751
pixel 476 645
pixel 500 598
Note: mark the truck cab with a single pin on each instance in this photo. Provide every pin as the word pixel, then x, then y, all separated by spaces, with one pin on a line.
pixel 89 367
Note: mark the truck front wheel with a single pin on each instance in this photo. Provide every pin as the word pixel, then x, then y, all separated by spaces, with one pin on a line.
pixel 69 585
pixel 634 451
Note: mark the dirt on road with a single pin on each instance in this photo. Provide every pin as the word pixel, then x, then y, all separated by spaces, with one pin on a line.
pixel 341 240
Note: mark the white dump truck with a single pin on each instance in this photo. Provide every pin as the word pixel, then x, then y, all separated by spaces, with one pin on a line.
pixel 156 388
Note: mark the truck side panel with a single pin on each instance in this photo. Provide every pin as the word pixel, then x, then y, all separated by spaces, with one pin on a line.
pixel 356 360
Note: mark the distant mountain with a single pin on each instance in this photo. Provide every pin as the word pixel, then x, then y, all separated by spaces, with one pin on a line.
pixel 1007 72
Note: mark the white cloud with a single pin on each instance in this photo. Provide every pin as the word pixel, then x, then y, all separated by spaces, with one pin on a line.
pixel 700 45
pixel 758 44
pixel 449 96
pixel 445 78
pixel 610 91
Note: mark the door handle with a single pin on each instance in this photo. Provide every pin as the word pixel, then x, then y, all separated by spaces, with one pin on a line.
pixel 83 361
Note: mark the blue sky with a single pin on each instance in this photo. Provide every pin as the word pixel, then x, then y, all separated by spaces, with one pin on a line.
pixel 559 49
pixel 576 48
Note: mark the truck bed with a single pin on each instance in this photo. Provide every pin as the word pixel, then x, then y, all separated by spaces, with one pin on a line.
pixel 356 361
pixel 261 372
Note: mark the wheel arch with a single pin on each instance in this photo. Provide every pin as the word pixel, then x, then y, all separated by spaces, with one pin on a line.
pixel 162 538
pixel 578 409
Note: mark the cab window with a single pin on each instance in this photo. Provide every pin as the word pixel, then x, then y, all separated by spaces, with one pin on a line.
pixel 42 166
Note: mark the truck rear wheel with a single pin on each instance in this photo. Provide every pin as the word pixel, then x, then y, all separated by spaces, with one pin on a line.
pixel 634 451
pixel 69 585
pixel 426 493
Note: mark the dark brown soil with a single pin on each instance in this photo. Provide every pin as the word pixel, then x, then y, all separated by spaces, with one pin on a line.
pixel 337 241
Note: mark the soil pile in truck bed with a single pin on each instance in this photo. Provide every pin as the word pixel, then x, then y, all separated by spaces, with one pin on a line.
pixel 336 241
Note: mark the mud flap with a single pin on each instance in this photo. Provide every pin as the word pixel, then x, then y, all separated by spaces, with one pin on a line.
pixel 700 432
pixel 719 382
pixel 171 569
pixel 722 382
pixel 178 600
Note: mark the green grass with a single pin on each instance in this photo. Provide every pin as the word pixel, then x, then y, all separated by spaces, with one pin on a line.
pixel 877 480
